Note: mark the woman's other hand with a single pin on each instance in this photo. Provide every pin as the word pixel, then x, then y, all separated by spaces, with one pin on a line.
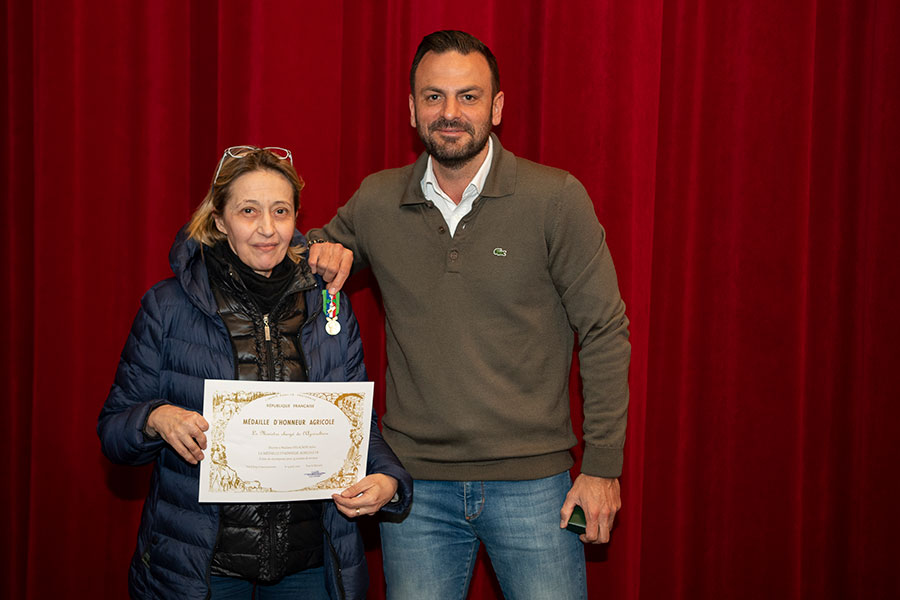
pixel 182 429
pixel 367 496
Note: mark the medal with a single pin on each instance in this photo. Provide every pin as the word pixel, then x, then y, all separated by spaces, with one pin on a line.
pixel 331 306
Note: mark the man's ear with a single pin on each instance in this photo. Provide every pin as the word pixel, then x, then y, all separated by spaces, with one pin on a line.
pixel 497 109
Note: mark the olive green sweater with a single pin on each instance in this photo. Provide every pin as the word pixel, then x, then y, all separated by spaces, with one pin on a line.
pixel 479 326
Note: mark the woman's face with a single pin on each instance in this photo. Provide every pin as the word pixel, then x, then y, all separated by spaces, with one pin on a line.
pixel 259 219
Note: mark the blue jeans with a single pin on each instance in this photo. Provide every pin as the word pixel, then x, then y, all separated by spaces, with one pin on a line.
pixel 308 584
pixel 431 553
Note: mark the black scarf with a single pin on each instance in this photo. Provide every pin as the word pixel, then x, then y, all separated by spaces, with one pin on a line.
pixel 265 292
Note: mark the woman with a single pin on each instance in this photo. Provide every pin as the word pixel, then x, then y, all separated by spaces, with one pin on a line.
pixel 242 304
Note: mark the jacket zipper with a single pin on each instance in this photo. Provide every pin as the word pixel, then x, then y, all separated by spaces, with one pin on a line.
pixel 272 542
pixel 270 365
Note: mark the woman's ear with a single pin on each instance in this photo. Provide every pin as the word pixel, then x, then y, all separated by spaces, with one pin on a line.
pixel 220 224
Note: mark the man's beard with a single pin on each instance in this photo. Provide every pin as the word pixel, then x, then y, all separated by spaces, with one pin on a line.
pixel 453 156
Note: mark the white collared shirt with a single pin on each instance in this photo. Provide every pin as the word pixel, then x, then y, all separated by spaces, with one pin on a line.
pixel 452 212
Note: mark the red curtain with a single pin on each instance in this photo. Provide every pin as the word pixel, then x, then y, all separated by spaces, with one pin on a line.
pixel 743 157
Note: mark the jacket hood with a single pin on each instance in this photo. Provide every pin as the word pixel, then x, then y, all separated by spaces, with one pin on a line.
pixel 187 265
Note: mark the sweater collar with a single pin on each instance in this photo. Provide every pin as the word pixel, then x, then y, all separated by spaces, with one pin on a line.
pixel 501 181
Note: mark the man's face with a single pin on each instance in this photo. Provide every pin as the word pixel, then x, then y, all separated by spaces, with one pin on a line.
pixel 452 107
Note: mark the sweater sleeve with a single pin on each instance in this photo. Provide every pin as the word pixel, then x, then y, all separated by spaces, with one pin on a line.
pixel 583 273
pixel 342 229
pixel 381 459
pixel 134 392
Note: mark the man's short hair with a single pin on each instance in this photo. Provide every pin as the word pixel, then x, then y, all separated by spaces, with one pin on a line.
pixel 449 40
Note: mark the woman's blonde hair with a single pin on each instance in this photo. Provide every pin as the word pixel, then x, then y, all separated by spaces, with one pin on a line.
pixel 202 226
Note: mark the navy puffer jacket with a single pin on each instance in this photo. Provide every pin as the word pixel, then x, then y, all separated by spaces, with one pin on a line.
pixel 177 340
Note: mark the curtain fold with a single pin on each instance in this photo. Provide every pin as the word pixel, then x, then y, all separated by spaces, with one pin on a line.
pixel 16 300
pixel 742 158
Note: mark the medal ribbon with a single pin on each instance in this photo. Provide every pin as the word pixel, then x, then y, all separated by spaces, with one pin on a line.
pixel 331 305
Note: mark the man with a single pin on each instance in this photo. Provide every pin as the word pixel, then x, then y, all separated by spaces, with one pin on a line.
pixel 487 263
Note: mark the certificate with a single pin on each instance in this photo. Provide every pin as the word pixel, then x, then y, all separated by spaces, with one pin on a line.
pixel 281 441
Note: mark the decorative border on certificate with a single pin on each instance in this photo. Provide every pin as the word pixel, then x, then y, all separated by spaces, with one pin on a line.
pixel 282 441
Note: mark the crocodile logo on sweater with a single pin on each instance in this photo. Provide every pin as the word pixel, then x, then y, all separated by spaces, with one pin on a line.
pixel 499 252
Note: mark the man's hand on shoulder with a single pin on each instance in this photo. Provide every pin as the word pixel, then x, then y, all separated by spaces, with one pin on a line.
pixel 332 261
pixel 600 499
